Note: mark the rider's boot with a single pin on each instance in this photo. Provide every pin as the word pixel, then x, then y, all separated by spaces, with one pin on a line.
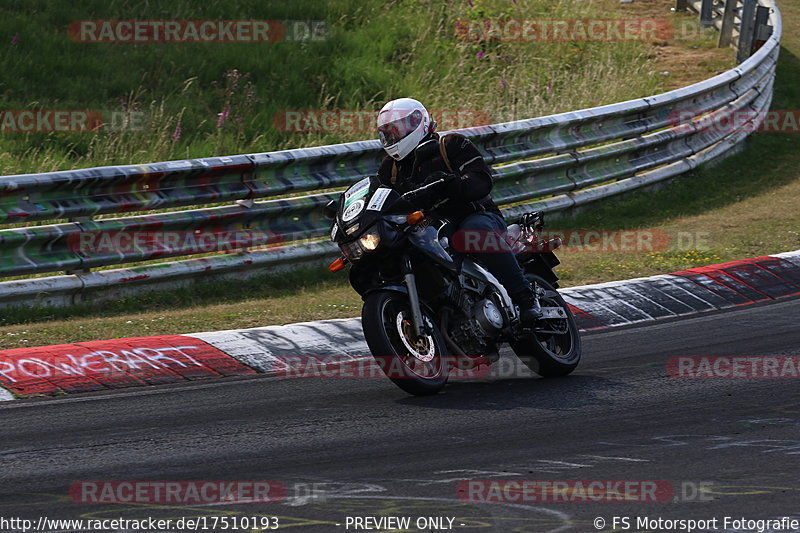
pixel 529 307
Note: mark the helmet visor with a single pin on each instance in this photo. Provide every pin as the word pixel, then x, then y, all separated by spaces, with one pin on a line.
pixel 397 130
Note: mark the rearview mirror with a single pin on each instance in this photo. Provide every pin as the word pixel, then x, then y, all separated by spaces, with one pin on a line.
pixel 330 209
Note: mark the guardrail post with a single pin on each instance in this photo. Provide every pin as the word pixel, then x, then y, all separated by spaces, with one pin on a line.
pixel 79 220
pixel 726 31
pixel 762 30
pixel 706 13
pixel 681 5
pixel 746 30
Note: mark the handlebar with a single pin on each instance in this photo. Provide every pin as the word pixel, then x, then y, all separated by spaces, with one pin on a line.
pixel 413 194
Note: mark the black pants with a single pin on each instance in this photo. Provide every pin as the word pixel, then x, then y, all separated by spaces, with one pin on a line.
pixel 501 263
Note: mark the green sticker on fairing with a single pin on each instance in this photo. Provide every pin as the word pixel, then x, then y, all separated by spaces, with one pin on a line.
pixel 358 190
pixel 356 195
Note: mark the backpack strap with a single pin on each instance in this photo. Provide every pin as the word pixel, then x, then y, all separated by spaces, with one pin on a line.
pixel 443 152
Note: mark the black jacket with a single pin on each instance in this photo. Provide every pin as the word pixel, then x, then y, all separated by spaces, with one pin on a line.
pixel 471 193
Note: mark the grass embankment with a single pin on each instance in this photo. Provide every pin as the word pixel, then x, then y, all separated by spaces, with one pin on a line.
pixel 373 51
pixel 747 205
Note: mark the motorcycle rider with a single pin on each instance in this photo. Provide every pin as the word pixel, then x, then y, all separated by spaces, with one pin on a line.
pixel 464 196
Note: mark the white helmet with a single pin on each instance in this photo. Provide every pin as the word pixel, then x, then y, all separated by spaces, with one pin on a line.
pixel 402 124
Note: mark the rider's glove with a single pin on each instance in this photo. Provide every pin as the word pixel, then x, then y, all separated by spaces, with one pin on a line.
pixel 450 181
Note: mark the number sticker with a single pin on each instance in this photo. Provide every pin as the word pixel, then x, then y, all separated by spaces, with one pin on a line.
pixel 378 199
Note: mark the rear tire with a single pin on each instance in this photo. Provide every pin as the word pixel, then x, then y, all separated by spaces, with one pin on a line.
pixel 548 355
pixel 419 367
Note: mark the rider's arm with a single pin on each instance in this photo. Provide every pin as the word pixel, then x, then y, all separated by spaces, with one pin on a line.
pixel 475 178
pixel 385 173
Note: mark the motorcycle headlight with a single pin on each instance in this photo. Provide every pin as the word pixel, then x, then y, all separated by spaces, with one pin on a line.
pixel 352 251
pixel 370 240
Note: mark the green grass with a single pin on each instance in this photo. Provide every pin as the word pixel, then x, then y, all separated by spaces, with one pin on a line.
pixel 748 202
pixel 376 51
pixel 745 206
pixel 286 284
pixel 299 295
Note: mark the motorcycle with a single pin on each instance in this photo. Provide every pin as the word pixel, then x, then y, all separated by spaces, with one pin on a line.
pixel 429 309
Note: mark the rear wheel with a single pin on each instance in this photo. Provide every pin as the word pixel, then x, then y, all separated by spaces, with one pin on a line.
pixel 557 351
pixel 419 366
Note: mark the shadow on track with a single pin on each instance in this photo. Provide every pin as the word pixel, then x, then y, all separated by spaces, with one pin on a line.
pixel 562 394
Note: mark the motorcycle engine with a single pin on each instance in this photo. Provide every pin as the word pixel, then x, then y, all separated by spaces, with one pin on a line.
pixel 475 333
pixel 488 317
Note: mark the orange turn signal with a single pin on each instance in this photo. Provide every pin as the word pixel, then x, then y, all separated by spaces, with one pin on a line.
pixel 414 218
pixel 337 265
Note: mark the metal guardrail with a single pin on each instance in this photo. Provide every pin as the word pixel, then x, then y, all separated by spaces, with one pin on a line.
pixel 549 163
pixel 743 23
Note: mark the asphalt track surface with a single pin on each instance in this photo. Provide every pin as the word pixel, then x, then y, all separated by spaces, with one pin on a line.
pixel 374 451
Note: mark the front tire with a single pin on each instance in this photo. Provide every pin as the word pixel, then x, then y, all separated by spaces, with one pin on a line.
pixel 550 355
pixel 418 366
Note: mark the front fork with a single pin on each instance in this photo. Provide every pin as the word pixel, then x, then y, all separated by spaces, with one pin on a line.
pixel 417 322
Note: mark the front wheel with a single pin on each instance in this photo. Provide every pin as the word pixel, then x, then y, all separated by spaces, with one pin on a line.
pixel 419 366
pixel 556 351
